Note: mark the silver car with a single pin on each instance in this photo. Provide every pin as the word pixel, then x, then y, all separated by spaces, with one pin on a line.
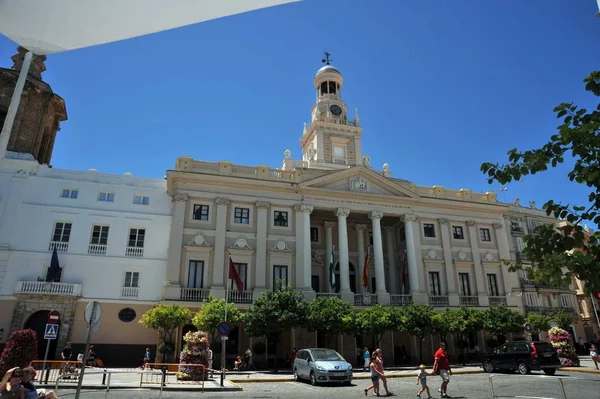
pixel 320 365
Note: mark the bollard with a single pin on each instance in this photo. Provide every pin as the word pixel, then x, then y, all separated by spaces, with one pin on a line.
pixel 47 375
pixel 104 378
pixel 164 376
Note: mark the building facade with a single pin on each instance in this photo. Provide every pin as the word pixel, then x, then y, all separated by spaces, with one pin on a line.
pixel 428 245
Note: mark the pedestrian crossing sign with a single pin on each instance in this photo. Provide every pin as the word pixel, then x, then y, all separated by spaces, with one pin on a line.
pixel 51 331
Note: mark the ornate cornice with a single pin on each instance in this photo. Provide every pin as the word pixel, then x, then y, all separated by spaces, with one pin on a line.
pixel 443 220
pixel 222 201
pixel 303 208
pixel 343 212
pixel 410 217
pixel 360 227
pixel 329 225
pixel 262 205
pixel 497 226
pixel 376 215
pixel 179 198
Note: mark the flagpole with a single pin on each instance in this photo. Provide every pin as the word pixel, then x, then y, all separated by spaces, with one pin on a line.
pixel 224 339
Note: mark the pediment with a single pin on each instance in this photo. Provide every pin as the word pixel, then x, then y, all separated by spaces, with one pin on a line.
pixel 360 180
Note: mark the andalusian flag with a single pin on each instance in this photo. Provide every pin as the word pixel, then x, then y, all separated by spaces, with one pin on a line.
pixel 365 276
pixel 331 270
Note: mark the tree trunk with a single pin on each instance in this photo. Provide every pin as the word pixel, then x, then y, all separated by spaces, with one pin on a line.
pixel 276 340
pixel 420 349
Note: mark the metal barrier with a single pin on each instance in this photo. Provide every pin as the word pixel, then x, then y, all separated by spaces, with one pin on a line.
pixel 110 373
pixel 173 374
pixel 561 386
pixel 50 370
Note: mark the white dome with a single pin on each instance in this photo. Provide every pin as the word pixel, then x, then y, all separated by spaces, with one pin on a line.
pixel 328 69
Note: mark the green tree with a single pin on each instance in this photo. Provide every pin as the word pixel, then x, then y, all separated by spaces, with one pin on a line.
pixel 550 248
pixel 330 315
pixel 377 320
pixel 538 322
pixel 274 312
pixel 212 313
pixel 418 320
pixel 165 319
pixel 500 320
pixel 460 323
pixel 563 319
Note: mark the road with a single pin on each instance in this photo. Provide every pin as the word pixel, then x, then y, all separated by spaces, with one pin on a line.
pixel 474 386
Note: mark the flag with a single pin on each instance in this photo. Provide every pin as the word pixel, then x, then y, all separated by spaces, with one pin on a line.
pixel 331 271
pixel 234 275
pixel 365 276
pixel 54 271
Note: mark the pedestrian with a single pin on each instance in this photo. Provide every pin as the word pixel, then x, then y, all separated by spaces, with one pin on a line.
pixel 10 387
pixel 249 361
pixel 366 358
pixel 379 363
pixel 210 362
pixel 66 355
pixel 293 357
pixel 441 366
pixel 375 376
pixel 422 379
pixel 30 391
pixel 595 355
pixel 359 360
pixel 476 350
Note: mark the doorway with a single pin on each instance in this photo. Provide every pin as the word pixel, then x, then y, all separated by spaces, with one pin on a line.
pixel 37 322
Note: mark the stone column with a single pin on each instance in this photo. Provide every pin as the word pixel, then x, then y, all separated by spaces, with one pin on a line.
pixel 391 255
pixel 303 250
pixel 175 246
pixel 261 247
pixel 448 263
pixel 328 249
pixel 480 290
pixel 382 296
pixel 219 280
pixel 360 247
pixel 342 214
pixel 510 280
pixel 416 275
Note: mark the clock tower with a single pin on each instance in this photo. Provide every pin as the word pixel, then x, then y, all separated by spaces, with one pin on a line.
pixel 331 140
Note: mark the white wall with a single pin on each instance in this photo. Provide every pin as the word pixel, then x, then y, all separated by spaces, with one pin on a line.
pixel 30 204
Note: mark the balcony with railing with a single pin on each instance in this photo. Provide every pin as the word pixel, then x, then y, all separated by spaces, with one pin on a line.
pixel 194 294
pixel 400 300
pixel 59 245
pixel 468 300
pixel 540 309
pixel 517 230
pixel 438 300
pixel 47 288
pixel 328 294
pixel 525 283
pixel 134 252
pixel 497 300
pixel 340 161
pixel 130 292
pixel 365 299
pixel 97 249
pixel 241 296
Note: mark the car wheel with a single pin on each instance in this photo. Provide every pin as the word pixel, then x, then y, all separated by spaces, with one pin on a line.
pixel 488 367
pixel 549 371
pixel 296 377
pixel 523 368
pixel 313 378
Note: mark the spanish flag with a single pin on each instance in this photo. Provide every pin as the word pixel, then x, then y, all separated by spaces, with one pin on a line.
pixel 365 276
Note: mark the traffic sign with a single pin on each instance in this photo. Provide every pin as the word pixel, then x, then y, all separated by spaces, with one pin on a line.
pixel 54 317
pixel 224 328
pixel 93 313
pixel 528 327
pixel 51 331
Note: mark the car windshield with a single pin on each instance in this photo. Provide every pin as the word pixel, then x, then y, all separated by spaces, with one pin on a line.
pixel 325 355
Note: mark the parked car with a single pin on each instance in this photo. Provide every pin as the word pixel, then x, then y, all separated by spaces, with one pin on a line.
pixel 320 365
pixel 522 356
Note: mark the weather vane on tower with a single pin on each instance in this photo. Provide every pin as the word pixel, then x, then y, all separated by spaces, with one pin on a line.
pixel 326 60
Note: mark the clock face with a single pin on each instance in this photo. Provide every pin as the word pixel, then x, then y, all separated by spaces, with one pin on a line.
pixel 336 110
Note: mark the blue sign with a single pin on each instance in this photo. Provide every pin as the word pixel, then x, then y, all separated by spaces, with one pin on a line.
pixel 51 331
pixel 528 327
pixel 224 328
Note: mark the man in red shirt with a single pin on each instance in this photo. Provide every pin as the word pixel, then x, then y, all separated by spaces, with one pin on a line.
pixel 442 366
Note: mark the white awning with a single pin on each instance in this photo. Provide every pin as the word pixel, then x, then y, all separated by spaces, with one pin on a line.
pixel 52 26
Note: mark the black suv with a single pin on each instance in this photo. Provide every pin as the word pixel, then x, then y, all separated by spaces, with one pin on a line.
pixel 523 356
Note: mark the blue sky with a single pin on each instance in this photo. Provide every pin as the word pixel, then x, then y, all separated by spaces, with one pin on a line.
pixel 441 87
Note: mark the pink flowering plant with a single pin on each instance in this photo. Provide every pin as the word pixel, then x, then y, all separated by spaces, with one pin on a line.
pixel 562 342
pixel 195 351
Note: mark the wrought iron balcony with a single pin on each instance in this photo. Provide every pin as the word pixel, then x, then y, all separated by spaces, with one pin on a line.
pixel 365 299
pixel 497 300
pixel 469 300
pixel 400 300
pixel 438 300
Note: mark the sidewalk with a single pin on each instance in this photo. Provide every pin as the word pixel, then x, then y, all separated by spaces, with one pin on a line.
pixel 586 366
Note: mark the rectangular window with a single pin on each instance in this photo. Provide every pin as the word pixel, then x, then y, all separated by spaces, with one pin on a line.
pixel 531 299
pixel 242 269
pixel 465 285
pixel 565 301
pixel 106 197
pixel 434 283
pixel 457 233
pixel 280 219
pixel 370 238
pixel 136 238
pixel 141 200
pixel 484 235
pixel 242 215
pixel 429 230
pixel 195 274
pixel 520 244
pixel 69 193
pixel 99 235
pixel 516 226
pixel 314 235
pixel 200 212
pixel 280 273
pixel 339 152
pixel 493 285
pixel 62 232
pixel 131 279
